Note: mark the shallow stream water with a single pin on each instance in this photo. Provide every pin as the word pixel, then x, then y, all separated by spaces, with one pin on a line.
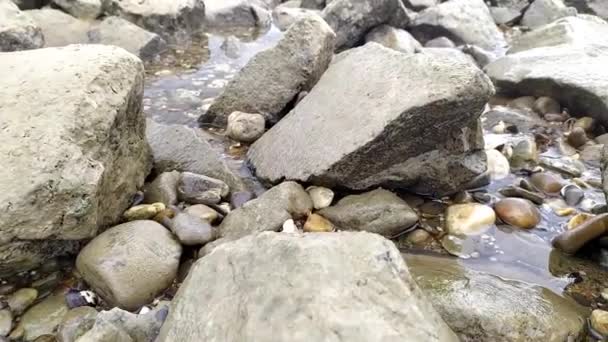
pixel 183 83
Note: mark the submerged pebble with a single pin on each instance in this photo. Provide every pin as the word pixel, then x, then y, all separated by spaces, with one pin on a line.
pixel 546 182
pixel 469 219
pixel 518 212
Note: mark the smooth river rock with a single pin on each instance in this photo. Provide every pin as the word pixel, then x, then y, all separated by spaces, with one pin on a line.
pixel 314 287
pixel 379 211
pixel 274 77
pixel 44 317
pixel 355 130
pixel 68 174
pixel 469 218
pixel 128 265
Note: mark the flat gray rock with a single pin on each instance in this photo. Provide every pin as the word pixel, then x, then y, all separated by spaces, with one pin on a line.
pixel 17 30
pixel 335 287
pixel 169 19
pixel 542 12
pixel 72 172
pixel 462 21
pixel 274 77
pixel 573 75
pixel 355 130
pixel 578 30
pixel 268 212
pixel 181 148
pixel 73 30
pixel 122 33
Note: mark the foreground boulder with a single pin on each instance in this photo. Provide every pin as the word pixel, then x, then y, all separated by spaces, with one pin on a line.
pixel 119 32
pixel 482 307
pixel 312 287
pixel 556 72
pixel 352 19
pixel 128 265
pixel 462 21
pixel 355 130
pixel 274 78
pixel 578 30
pixel 17 30
pixel 268 212
pixel 74 157
pixel 170 19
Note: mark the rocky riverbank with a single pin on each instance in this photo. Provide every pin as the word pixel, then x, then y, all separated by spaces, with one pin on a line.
pixel 314 170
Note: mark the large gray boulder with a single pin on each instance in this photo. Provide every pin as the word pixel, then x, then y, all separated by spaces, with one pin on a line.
pixel 120 32
pixel 170 19
pixel 542 12
pixel 352 19
pixel 83 9
pixel 351 287
pixel 268 212
pixel 557 72
pixel 274 77
pixel 371 121
pixel 73 30
pixel 462 21
pixel 17 30
pixel 129 264
pixel 578 30
pixel 74 157
pixel 482 307
pixel 595 7
pixel 236 13
pixel 181 148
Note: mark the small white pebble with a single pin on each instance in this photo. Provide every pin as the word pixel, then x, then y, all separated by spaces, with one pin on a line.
pixel 475 255
pixel 289 227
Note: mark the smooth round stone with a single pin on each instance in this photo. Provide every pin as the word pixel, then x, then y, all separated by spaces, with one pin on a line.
pixel 586 123
pixel 245 127
pixel 321 197
pixel 317 224
pixel 203 212
pixel 440 42
pixel 551 117
pixel 578 219
pixel 6 322
pixel 523 102
pixel 418 236
pixel 577 137
pixel 199 189
pixel 469 219
pixel 572 194
pixel 599 321
pixel 518 212
pixel 76 323
pixel 21 300
pixel 498 165
pixel 545 105
pixel 143 211
pixel 546 182
pixel 192 230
